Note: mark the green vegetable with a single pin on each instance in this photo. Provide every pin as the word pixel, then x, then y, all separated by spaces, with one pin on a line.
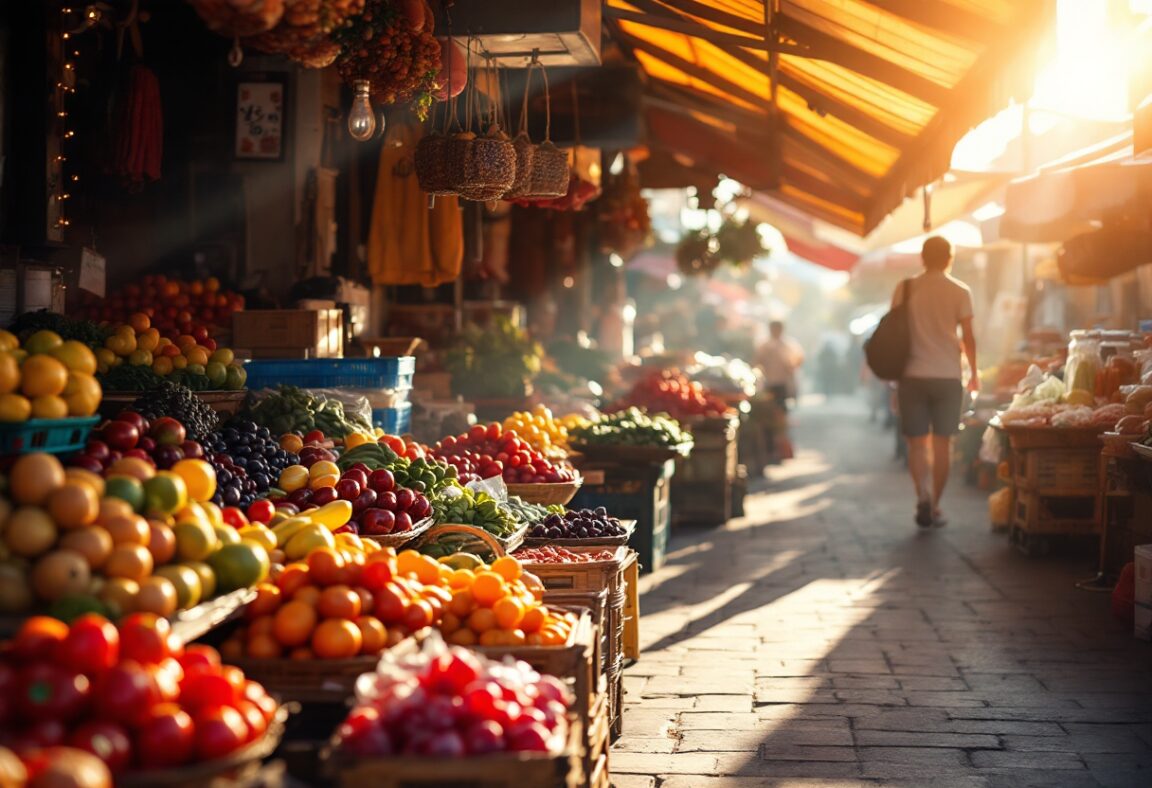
pixel 474 508
pixel 493 362
pixel 291 409
pixel 633 427
pixel 85 331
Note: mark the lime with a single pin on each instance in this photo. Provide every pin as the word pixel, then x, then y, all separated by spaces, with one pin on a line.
pixel 239 565
pixel 126 488
pixel 217 374
pixel 165 493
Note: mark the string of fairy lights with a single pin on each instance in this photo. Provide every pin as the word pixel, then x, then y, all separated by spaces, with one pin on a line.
pixel 65 87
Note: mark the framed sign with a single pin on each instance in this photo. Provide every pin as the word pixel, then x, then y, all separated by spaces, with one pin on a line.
pixel 260 120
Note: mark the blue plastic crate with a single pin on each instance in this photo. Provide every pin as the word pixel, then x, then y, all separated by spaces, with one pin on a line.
pixel 55 436
pixel 394 421
pixel 316 373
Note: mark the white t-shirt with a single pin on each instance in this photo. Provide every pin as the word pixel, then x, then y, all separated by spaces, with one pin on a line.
pixel 779 358
pixel 937 304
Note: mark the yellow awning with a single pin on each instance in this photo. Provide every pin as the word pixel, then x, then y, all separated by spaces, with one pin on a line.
pixel 870 96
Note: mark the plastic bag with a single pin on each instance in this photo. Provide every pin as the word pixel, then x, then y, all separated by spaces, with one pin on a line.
pixel 1033 378
pixel 991 449
pixel 356 405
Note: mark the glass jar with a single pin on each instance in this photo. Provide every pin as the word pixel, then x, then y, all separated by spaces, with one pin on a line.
pixel 1084 361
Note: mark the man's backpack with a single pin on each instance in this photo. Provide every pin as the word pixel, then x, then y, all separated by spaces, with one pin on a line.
pixel 890 345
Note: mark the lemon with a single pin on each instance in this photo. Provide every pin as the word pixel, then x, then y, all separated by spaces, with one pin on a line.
pixel 9 373
pixel 77 356
pixel 8 340
pixel 105 359
pixel 43 375
pixel 43 342
pixel 14 407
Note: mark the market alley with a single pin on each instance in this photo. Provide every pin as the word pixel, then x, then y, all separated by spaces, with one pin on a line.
pixel 823 640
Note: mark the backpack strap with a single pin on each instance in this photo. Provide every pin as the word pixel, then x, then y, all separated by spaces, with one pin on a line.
pixel 906 292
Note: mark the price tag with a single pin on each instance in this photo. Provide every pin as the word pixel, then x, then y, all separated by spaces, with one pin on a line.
pixel 92 272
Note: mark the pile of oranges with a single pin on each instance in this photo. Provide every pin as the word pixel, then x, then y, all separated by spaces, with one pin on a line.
pixel 47 378
pixel 139 343
pixel 339 605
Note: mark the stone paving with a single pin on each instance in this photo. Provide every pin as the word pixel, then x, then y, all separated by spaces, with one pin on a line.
pixel 824 640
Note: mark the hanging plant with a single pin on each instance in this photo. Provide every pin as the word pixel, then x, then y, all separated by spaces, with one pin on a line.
pixel 738 242
pixel 696 253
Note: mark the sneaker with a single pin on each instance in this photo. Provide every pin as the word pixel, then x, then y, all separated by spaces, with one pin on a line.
pixel 938 519
pixel 924 514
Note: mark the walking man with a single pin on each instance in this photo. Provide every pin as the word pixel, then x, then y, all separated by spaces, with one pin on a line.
pixel 778 360
pixel 930 394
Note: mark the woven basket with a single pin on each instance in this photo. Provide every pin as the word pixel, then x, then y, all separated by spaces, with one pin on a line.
pixel 489 167
pixel 525 153
pixel 432 164
pixel 547 494
pixel 549 172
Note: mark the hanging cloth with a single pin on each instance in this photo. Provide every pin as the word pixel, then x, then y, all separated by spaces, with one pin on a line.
pixel 408 242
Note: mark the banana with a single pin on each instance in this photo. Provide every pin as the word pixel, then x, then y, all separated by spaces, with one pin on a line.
pixel 308 539
pixel 287 529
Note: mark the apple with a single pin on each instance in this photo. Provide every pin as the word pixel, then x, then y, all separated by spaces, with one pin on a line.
pixel 168 432
pixel 97 450
pixel 324 495
pixel 192 450
pixel 387 500
pixel 404 499
pixel 88 463
pixel 365 500
pixel 137 420
pixel 146 443
pixel 166 456
pixel 356 475
pixel 347 489
pixel 120 435
pixel 403 522
pixel 377 522
pixel 382 480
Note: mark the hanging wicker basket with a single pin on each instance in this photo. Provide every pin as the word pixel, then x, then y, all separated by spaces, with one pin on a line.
pixel 489 167
pixel 548 170
pixel 432 164
pixel 525 154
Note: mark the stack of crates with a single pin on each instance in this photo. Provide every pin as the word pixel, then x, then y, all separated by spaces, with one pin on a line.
pixel 702 494
pixel 637 491
pixel 1057 487
pixel 385 382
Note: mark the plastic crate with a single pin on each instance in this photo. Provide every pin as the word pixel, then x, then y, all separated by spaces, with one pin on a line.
pixel 55 436
pixel 638 492
pixel 314 373
pixel 394 421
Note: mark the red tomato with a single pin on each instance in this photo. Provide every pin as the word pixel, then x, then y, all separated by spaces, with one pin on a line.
pixel 261 511
pixel 219 731
pixel 144 638
pixel 315 436
pixel 197 658
pixel 390 603
pixel 165 738
pixel 107 741
pixel 92 645
pixel 125 693
pixel 253 718
pixel 206 691
pixel 51 692
pixel 45 733
pixel 234 516
pixel 38 638
pixel 167 677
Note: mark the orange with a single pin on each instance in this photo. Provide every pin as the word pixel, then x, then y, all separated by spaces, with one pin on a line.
pixel 291 442
pixel 507 567
pixel 43 376
pixel 81 476
pixel 14 408
pixel 267 601
pixel 82 393
pixel 33 477
pixel 8 340
pixel 450 623
pixel 49 407
pixel 130 530
pixel 73 505
pixel 148 340
pixel 352 440
pixel 336 639
pixel 308 594
pixel 264 647
pixel 326 566
pixel 161 542
pixel 461 578
pixel 43 342
pixel 509 612
pixel 196 355
pixel 533 620
pixel 9 373
pixel 92 542
pixel 292 478
pixel 463 637
pixel 492 637
pixel 77 356
pixel 373 635
pixel 418 615
pixel 131 561
pixel 293 623
pixel 488 587
pixel 162 366
pixel 301 653
pixel 481 620
pixel 428 570
pixel 338 601
pixel 462 603
pixel 139 322
pixel 156 595
pixel 136 467
pixel 199 477
pixel 260 626
pixel 408 562
pixel 292 578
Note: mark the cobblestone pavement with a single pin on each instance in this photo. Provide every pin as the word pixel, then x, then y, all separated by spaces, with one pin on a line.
pixel 823 640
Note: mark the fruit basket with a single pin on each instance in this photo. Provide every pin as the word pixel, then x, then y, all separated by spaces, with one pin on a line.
pixel 205 772
pixel 195 622
pixel 55 436
pixel 591 541
pixel 499 545
pixel 558 493
pixel 398 540
pixel 307 680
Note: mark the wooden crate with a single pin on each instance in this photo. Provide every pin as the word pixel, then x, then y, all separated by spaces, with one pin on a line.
pixel 1063 471
pixel 1039 513
pixel 503 770
pixel 308 680
pixel 702 491
pixel 596 744
pixel 596 603
pixel 591 576
pixel 631 641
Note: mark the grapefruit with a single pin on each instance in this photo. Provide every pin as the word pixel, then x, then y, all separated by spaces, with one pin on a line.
pixel 33 477
pixel 239 566
pixel 42 376
pixel 127 489
pixel 74 505
pixel 59 574
pixel 30 531
pixel 93 542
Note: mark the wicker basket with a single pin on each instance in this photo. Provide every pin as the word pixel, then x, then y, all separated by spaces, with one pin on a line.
pixel 559 493
pixel 549 172
pixel 398 540
pixel 308 680
pixel 592 541
pixel 484 167
pixel 525 153
pixel 432 166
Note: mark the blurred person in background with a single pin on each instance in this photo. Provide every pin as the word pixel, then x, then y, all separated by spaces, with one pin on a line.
pixel 778 359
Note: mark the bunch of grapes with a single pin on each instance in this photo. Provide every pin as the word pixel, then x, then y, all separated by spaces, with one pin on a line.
pixel 233 486
pixel 177 401
pixel 252 449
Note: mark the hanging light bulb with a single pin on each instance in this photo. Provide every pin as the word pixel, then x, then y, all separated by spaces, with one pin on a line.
pixel 361 120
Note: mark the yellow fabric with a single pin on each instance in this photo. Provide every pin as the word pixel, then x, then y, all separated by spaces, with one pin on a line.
pixel 408 243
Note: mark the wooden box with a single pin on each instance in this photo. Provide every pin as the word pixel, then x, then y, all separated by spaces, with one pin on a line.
pixel 289 333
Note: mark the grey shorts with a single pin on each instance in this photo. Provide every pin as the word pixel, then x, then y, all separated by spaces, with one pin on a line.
pixel 929 405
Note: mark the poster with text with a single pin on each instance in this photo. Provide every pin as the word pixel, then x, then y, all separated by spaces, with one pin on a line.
pixel 260 120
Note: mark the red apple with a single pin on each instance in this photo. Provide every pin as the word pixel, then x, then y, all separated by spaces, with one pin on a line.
pixel 166 431
pixel 376 522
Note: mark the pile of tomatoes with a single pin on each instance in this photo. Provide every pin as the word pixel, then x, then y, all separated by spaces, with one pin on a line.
pixel 487 451
pixel 452 703
pixel 132 694
pixel 671 392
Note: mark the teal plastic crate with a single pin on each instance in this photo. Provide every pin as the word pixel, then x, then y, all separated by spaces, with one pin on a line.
pixel 395 372
pixel 55 436
pixel 394 421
